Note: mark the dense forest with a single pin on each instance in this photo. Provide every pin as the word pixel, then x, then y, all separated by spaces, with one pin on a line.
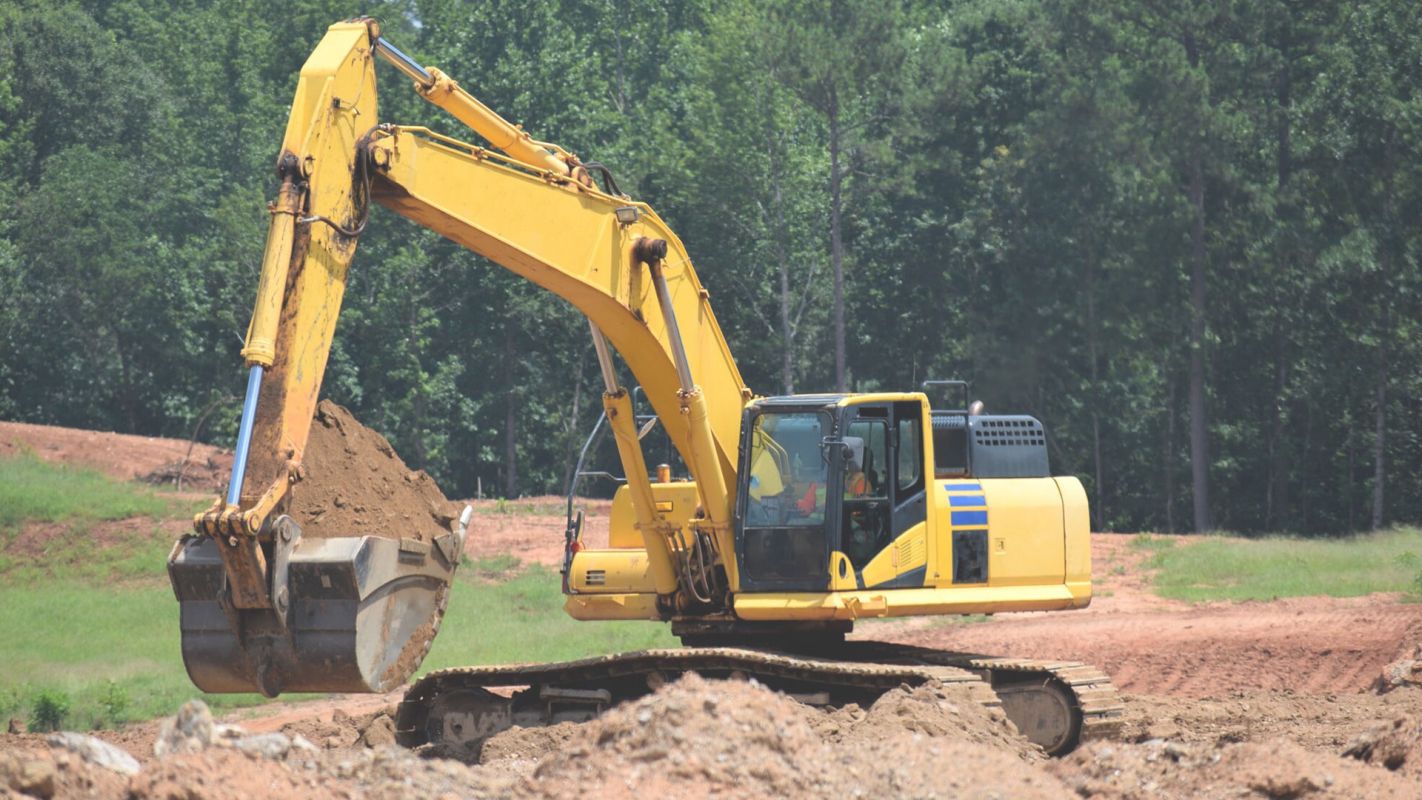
pixel 1183 234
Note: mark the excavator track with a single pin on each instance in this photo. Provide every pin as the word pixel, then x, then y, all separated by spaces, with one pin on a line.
pixel 1055 703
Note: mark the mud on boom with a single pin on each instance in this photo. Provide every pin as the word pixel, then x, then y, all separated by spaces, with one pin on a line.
pixel 800 516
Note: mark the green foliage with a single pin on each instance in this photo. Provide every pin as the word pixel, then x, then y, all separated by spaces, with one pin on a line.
pixel 50 709
pixel 1151 542
pixel 493 567
pixel 1020 193
pixel 114 702
pixel 1271 567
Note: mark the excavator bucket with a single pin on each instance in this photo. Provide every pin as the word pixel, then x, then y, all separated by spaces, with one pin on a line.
pixel 353 614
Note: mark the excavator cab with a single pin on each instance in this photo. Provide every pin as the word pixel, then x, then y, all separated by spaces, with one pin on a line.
pixel 827 483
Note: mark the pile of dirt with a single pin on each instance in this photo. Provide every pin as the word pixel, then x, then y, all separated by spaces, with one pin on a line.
pixel 529 744
pixel 933 710
pixel 1396 745
pixel 342 730
pixel 354 484
pixel 56 773
pixel 119 455
pixel 698 738
pixel 1405 671
pixel 1276 769
pixel 193 473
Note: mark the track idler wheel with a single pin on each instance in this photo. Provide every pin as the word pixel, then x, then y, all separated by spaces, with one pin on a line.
pixel 1045 711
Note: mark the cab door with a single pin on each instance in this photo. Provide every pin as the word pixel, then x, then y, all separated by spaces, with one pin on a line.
pixel 882 528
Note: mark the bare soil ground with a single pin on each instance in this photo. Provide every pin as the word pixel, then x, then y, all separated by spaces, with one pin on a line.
pixel 531 529
pixel 1257 699
pixel 121 455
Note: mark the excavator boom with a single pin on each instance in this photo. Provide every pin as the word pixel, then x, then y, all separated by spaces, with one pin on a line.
pixel 613 259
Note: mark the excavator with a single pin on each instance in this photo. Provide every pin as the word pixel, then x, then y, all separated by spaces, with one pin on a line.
pixel 801 515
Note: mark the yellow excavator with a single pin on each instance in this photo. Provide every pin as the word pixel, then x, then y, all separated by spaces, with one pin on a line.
pixel 802 514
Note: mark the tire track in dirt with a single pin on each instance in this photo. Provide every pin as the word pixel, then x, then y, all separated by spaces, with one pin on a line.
pixel 1310 645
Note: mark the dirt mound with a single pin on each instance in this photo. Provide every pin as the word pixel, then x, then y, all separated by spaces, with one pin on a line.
pixel 1406 671
pixel 528 744
pixel 118 455
pixel 45 773
pixel 371 729
pixel 1274 769
pixel 1396 745
pixel 698 738
pixel 193 473
pixel 219 774
pixel 932 710
pixel 353 484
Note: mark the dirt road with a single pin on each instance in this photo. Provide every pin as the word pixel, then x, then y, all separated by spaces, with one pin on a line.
pixel 1150 645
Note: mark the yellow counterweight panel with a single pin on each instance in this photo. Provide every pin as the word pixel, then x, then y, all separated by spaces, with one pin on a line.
pixel 1023 521
pixel 1077 519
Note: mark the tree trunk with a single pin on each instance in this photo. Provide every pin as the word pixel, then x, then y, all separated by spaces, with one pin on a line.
pixel 1384 334
pixel 127 395
pixel 836 241
pixel 1099 504
pixel 1277 482
pixel 1199 441
pixel 1167 459
pixel 510 417
pixel 787 327
pixel 1380 438
pixel 1352 462
pixel 570 452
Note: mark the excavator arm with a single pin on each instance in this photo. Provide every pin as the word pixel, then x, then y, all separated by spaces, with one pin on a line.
pixel 527 206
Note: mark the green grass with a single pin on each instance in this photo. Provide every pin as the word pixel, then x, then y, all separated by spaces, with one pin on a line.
pixel 522 619
pixel 82 640
pixel 1152 543
pixel 94 643
pixel 524 508
pixel 31 489
pixel 1263 569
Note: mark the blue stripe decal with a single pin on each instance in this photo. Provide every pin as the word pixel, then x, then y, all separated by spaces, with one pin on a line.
pixel 967 500
pixel 963 487
pixel 970 517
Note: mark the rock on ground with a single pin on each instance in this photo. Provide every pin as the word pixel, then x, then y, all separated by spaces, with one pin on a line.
pixel 1279 770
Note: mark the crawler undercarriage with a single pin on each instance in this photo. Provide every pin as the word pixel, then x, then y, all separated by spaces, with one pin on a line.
pixel 1056 704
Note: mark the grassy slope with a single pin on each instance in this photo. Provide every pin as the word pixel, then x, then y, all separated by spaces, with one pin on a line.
pixel 1220 568
pixel 31 489
pixel 101 627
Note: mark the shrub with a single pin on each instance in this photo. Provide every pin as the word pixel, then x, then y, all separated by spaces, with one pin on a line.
pixel 115 703
pixel 50 708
